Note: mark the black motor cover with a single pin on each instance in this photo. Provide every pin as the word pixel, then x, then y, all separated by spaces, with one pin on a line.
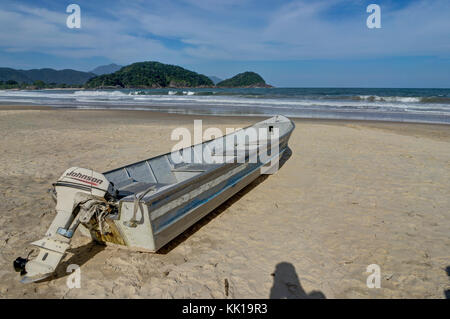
pixel 19 265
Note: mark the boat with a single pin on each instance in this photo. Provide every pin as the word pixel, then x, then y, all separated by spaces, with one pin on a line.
pixel 145 205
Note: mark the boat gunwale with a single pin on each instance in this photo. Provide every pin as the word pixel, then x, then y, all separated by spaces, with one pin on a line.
pixel 204 142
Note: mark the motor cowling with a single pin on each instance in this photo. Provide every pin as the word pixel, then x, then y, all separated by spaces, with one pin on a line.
pixel 75 187
pixel 73 181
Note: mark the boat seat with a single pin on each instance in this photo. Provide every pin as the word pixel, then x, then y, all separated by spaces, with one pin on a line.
pixel 189 168
pixel 136 187
pixel 194 167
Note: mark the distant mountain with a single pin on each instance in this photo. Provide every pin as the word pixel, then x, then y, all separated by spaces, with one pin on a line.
pixel 215 79
pixel 8 74
pixel 106 69
pixel 150 75
pixel 246 79
pixel 66 76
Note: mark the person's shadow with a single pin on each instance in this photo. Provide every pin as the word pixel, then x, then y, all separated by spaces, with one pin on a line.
pixel 286 284
pixel 447 292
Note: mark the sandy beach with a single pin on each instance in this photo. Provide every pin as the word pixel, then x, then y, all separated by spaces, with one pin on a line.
pixel 350 194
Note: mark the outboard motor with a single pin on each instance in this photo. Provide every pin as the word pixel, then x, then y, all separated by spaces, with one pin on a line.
pixel 80 194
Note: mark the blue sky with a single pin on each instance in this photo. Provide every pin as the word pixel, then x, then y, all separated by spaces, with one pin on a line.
pixel 321 43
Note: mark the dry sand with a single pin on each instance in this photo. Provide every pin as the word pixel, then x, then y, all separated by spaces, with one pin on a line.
pixel 351 194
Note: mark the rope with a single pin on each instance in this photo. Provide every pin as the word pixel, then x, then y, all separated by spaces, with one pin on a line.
pixel 133 222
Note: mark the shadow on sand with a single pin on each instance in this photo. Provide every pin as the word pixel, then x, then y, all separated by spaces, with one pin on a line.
pixel 286 284
pixel 447 292
pixel 80 256
pixel 219 210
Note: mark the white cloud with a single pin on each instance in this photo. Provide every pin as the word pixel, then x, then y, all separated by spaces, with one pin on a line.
pixel 232 30
pixel 421 28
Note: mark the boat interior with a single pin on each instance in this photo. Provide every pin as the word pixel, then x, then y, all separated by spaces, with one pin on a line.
pixel 161 172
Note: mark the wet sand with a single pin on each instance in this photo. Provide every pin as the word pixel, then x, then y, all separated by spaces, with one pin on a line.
pixel 350 194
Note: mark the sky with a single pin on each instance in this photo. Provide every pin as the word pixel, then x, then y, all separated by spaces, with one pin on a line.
pixel 299 43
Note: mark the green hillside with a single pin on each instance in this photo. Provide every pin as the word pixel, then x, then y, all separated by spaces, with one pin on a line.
pixel 150 75
pixel 246 79
pixel 8 74
pixel 66 76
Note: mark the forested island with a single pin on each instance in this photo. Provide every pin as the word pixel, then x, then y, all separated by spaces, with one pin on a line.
pixel 246 80
pixel 150 75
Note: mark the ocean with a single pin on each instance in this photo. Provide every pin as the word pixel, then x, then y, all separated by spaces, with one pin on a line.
pixel 404 105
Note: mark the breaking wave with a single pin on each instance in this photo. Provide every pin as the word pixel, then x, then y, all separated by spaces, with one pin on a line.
pixel 288 101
